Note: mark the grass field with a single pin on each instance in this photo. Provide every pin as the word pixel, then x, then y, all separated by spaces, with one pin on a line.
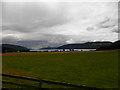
pixel 91 68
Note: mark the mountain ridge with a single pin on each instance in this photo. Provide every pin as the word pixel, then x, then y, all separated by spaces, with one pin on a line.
pixel 87 45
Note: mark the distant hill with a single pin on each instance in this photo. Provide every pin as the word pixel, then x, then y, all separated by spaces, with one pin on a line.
pixel 115 45
pixel 48 48
pixel 88 45
pixel 13 48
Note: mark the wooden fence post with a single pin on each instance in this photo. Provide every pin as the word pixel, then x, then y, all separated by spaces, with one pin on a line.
pixel 40 84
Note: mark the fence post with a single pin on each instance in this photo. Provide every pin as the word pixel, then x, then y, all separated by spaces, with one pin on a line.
pixel 40 84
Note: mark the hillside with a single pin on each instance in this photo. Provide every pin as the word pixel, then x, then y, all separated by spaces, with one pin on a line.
pixel 13 48
pixel 88 45
pixel 115 45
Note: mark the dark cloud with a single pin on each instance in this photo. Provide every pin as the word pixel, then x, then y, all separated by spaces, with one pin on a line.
pixel 106 23
pixel 105 26
pixel 116 30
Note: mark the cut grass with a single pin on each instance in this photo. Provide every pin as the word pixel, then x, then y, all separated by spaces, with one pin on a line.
pixel 97 69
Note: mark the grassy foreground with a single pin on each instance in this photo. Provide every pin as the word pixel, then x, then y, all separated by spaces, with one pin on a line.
pixel 91 68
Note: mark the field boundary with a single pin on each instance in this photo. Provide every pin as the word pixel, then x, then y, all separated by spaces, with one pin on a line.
pixel 40 81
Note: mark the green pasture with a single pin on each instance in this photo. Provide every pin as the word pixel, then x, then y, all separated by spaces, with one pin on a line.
pixel 91 68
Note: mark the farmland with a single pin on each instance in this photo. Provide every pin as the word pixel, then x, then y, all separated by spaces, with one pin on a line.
pixel 91 68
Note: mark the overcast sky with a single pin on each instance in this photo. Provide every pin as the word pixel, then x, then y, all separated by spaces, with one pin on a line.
pixel 41 24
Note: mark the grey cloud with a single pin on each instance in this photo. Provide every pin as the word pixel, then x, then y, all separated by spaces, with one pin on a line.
pixel 16 28
pixel 116 30
pixel 26 43
pixel 36 44
pixel 37 25
pixel 33 43
pixel 90 28
pixel 27 17
pixel 51 22
pixel 107 23
pixel 9 39
pixel 105 26
pixel 49 40
pixel 56 38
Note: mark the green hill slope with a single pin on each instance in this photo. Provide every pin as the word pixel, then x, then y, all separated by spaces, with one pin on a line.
pixel 13 48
